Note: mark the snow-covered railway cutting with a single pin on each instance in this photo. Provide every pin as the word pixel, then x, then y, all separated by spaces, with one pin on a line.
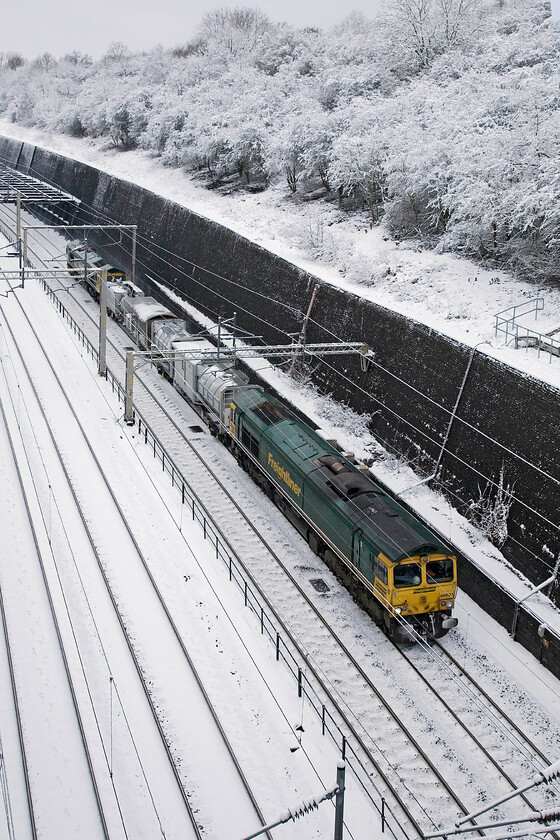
pixel 91 569
pixel 299 621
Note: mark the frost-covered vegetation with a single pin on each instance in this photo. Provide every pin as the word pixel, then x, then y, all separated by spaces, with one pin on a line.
pixel 441 117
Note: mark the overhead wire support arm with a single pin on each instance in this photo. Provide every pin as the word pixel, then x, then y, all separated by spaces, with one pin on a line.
pixel 268 351
pixel 232 354
pixel 312 805
pixel 544 775
pixel 544 817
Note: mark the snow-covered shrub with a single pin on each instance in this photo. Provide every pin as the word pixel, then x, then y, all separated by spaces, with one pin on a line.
pixel 490 511
pixel 357 169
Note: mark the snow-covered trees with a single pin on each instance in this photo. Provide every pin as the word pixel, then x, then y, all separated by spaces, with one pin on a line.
pixel 441 117
pixel 234 31
pixel 11 60
pixel 424 29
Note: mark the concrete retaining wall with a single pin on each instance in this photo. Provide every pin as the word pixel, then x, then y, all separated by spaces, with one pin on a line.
pixel 505 419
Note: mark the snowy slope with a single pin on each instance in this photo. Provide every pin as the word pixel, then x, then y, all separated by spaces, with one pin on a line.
pixel 450 294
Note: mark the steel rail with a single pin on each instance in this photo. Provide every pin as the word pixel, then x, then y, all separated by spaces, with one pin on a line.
pixel 161 600
pixel 492 703
pixel 29 797
pixel 495 710
pixel 57 628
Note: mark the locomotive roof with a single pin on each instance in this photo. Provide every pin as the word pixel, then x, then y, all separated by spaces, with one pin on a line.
pixel 389 526
pixel 392 528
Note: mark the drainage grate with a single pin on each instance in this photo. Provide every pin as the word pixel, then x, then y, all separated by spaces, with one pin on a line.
pixel 320 585
pixel 196 428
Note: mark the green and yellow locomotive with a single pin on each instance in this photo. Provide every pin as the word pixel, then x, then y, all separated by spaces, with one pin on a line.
pixel 402 573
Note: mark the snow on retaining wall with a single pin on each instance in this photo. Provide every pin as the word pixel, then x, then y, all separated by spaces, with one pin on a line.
pixel 505 418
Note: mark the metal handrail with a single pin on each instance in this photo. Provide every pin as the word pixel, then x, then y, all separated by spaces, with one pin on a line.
pixel 535 305
pixel 522 335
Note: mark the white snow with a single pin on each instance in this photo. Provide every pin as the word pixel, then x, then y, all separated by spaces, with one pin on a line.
pixel 257 704
pixel 448 294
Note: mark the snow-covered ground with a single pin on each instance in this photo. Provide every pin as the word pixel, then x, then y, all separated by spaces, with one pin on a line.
pixel 452 295
pixel 258 705
pixel 481 638
pixel 449 294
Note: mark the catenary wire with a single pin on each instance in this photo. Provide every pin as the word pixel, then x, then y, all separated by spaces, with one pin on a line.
pixel 435 443
pixel 150 246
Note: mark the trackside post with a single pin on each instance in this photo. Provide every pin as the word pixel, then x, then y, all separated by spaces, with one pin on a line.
pixel 129 379
pixel 102 368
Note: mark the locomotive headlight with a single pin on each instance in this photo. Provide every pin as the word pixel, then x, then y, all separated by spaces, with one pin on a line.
pixel 398 610
pixel 447 605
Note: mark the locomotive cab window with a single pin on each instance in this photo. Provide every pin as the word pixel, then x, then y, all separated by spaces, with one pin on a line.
pixel 439 571
pixel 407 574
pixel 379 569
pixel 250 442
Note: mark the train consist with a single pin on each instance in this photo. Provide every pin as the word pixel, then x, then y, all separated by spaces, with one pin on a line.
pixel 404 575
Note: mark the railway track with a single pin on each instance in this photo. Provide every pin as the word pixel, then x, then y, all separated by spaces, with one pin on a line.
pixel 425 803
pixel 48 389
pixel 501 739
pixel 28 798
pixel 38 658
